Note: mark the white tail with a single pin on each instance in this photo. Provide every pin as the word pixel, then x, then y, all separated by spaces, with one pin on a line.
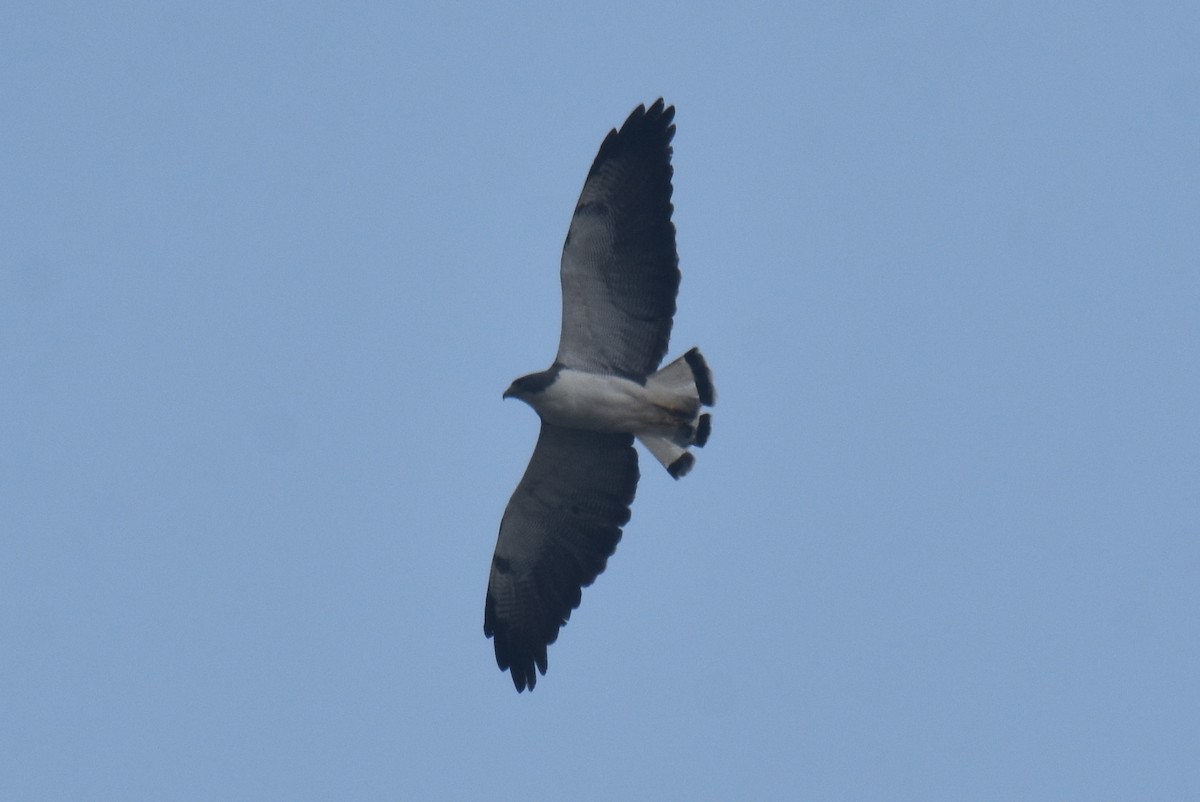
pixel 686 385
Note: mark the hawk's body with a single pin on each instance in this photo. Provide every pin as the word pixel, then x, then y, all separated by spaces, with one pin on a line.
pixel 620 275
pixel 581 400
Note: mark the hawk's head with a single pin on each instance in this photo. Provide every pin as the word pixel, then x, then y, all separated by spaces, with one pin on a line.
pixel 532 384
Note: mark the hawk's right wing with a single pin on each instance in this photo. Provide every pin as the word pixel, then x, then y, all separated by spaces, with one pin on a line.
pixel 558 531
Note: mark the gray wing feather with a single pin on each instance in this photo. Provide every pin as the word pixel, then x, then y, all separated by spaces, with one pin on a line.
pixel 620 269
pixel 558 531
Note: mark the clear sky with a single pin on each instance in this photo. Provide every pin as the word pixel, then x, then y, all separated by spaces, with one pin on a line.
pixel 266 268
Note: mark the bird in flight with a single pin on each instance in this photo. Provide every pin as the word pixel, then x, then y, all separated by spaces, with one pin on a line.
pixel 620 275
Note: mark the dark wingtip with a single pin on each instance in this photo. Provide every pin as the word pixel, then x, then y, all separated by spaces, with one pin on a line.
pixel 641 127
pixel 524 672
pixel 703 430
pixel 702 376
pixel 519 663
pixel 658 108
pixel 681 466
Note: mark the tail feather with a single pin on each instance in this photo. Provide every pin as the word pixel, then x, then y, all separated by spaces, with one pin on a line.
pixel 676 459
pixel 685 385
pixel 702 377
pixel 677 377
pixel 690 376
pixel 681 466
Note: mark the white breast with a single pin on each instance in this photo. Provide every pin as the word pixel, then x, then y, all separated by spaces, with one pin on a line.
pixel 601 403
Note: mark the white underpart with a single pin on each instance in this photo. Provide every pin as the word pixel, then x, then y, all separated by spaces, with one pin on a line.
pixel 597 402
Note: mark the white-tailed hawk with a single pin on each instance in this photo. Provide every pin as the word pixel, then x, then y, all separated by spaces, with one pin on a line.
pixel 620 275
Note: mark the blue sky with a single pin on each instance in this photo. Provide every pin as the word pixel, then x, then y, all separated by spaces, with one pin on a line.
pixel 266 268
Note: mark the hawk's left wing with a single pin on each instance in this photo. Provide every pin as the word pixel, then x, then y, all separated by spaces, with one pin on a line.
pixel 558 531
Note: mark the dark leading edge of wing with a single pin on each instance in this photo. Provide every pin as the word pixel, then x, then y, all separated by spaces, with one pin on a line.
pixel 620 270
pixel 559 529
